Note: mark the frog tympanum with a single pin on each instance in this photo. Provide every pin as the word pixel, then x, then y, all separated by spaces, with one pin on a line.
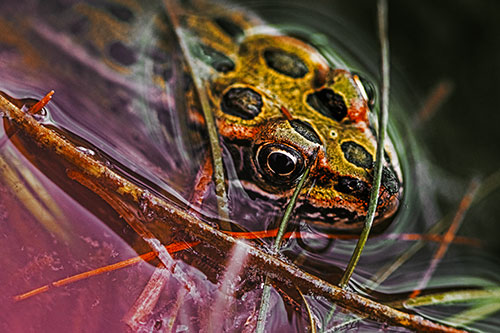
pixel 280 106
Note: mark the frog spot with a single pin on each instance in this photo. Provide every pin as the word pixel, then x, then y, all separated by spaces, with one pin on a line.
pixel 285 63
pixel 328 103
pixel 357 154
pixel 229 27
pixel 120 12
pixel 218 60
pixel 244 103
pixel 122 54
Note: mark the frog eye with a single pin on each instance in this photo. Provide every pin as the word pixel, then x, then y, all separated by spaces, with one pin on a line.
pixel 279 163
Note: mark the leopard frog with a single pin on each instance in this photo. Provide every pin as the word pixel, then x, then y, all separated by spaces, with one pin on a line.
pixel 277 102
pixel 279 105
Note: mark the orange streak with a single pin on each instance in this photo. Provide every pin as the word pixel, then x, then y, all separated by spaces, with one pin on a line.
pixel 172 248
pixel 41 103
pixel 448 236
pixel 286 113
pixel 405 236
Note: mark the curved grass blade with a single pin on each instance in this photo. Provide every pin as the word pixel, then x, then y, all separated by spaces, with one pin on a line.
pixel 310 315
pixel 472 315
pixel 458 296
pixel 383 118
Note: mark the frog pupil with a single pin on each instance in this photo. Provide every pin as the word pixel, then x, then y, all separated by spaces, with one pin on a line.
pixel 281 163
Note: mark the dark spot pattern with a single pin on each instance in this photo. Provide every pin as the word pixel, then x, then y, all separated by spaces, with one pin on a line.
pixel 285 63
pixel 352 186
pixel 357 154
pixel 229 27
pixel 122 54
pixel 328 103
pixel 218 60
pixel 120 12
pixel 305 130
pixel 242 102
pixel 390 181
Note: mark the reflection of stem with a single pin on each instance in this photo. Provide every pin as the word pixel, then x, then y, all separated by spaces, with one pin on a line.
pixel 172 248
pixel 44 209
pixel 386 271
pixel 215 147
pixel 145 303
pixel 227 288
pixel 457 296
pixel 433 102
pixel 382 121
pixel 476 313
pixel 486 302
pixel 123 193
pixel 310 315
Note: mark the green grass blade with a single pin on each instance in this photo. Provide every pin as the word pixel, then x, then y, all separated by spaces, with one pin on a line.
pixel 382 120
pixel 266 292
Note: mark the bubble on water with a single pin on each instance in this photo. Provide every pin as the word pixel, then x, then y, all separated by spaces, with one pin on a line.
pixel 86 151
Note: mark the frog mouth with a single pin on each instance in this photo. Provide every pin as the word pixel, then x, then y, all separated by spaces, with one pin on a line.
pixel 324 218
pixel 331 218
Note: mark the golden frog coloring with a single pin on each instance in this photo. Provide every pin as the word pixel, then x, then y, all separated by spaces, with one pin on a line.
pixel 279 105
pixel 277 101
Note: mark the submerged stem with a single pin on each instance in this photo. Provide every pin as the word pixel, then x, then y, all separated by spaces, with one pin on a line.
pixel 215 147
pixel 382 120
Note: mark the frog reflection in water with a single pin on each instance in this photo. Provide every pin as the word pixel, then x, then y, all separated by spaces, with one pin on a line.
pixel 277 102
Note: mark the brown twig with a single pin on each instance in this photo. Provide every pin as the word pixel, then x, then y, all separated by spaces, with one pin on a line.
pixel 117 190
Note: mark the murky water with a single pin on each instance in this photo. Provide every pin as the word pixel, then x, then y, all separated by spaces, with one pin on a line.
pixel 52 227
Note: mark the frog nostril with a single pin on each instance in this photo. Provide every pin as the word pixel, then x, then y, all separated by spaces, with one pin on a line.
pixel 328 103
pixel 242 102
pixel 368 88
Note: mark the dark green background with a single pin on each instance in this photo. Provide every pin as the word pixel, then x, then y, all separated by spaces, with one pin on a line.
pixel 430 41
